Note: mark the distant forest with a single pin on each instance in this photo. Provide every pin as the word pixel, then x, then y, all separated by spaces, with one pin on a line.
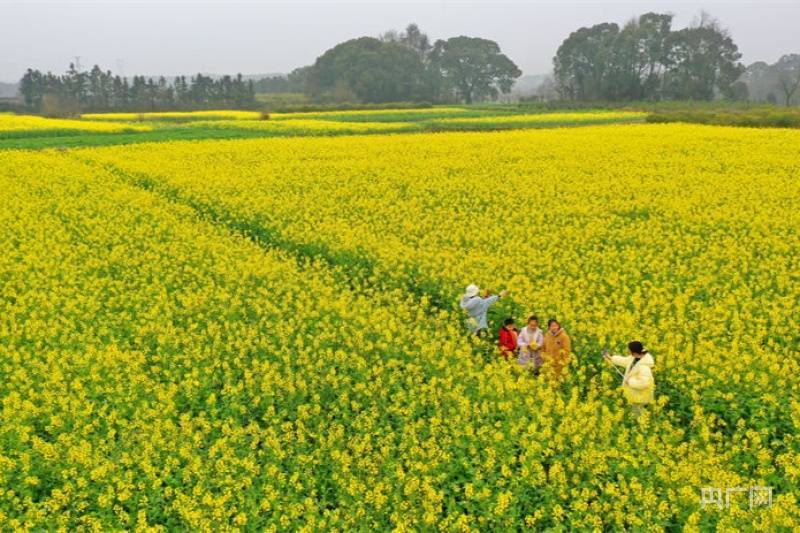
pixel 648 60
pixel 97 90
pixel 644 60
pixel 397 66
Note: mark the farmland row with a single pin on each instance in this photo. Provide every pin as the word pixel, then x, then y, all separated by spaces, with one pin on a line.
pixel 162 370
pixel 34 132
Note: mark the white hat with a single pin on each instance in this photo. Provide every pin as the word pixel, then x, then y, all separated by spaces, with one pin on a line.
pixel 472 290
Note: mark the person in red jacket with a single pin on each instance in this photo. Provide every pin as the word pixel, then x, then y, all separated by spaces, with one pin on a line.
pixel 508 338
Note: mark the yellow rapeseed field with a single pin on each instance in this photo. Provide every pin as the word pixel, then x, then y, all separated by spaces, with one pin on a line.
pixel 576 117
pixel 301 125
pixel 263 334
pixel 14 125
pixel 447 110
pixel 230 114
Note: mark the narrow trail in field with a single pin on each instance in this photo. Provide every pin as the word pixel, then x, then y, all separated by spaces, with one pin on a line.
pixel 352 269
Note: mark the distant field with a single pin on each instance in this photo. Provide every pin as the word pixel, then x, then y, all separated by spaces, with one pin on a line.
pixel 755 117
pixel 99 129
pixel 19 126
pixel 179 116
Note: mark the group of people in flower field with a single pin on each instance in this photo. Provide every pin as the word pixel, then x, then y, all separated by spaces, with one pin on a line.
pixel 550 351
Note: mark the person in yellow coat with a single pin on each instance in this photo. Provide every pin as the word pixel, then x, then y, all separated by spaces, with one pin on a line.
pixel 638 383
pixel 556 349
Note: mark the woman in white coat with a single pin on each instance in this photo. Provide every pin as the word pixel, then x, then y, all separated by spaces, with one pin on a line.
pixel 529 342
pixel 638 383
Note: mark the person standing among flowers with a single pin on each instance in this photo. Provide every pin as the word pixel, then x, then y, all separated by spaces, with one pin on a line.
pixel 556 348
pixel 508 338
pixel 529 342
pixel 638 383
pixel 477 308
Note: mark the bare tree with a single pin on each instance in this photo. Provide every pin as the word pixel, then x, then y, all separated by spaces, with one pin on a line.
pixel 789 86
pixel 788 68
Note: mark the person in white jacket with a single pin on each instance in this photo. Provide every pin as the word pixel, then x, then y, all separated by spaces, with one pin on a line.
pixel 529 341
pixel 477 308
pixel 638 383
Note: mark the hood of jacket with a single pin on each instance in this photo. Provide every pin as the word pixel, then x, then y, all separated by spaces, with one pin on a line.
pixel 468 301
pixel 647 360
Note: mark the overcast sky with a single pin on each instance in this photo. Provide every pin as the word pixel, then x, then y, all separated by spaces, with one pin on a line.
pixel 182 36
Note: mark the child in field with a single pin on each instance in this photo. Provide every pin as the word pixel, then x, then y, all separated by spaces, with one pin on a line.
pixel 638 383
pixel 508 338
pixel 529 344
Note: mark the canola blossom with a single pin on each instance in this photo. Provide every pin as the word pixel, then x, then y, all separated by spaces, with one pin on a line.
pixel 332 115
pixel 21 125
pixel 224 114
pixel 521 119
pixel 302 126
pixel 262 334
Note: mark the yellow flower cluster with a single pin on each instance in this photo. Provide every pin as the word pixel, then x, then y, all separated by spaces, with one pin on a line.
pixel 302 125
pixel 521 119
pixel 322 115
pixel 14 125
pixel 229 114
pixel 261 334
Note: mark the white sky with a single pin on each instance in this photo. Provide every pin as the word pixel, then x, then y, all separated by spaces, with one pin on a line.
pixel 180 36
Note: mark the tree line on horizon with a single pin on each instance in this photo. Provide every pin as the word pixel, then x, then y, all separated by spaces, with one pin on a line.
pixel 397 66
pixel 78 91
pixel 645 59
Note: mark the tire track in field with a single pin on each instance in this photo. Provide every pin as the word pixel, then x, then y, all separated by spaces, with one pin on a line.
pixel 351 268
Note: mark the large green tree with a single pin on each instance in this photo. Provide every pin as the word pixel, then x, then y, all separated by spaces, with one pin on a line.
pixel 636 58
pixel 368 70
pixel 646 59
pixel 701 62
pixel 473 68
pixel 583 60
